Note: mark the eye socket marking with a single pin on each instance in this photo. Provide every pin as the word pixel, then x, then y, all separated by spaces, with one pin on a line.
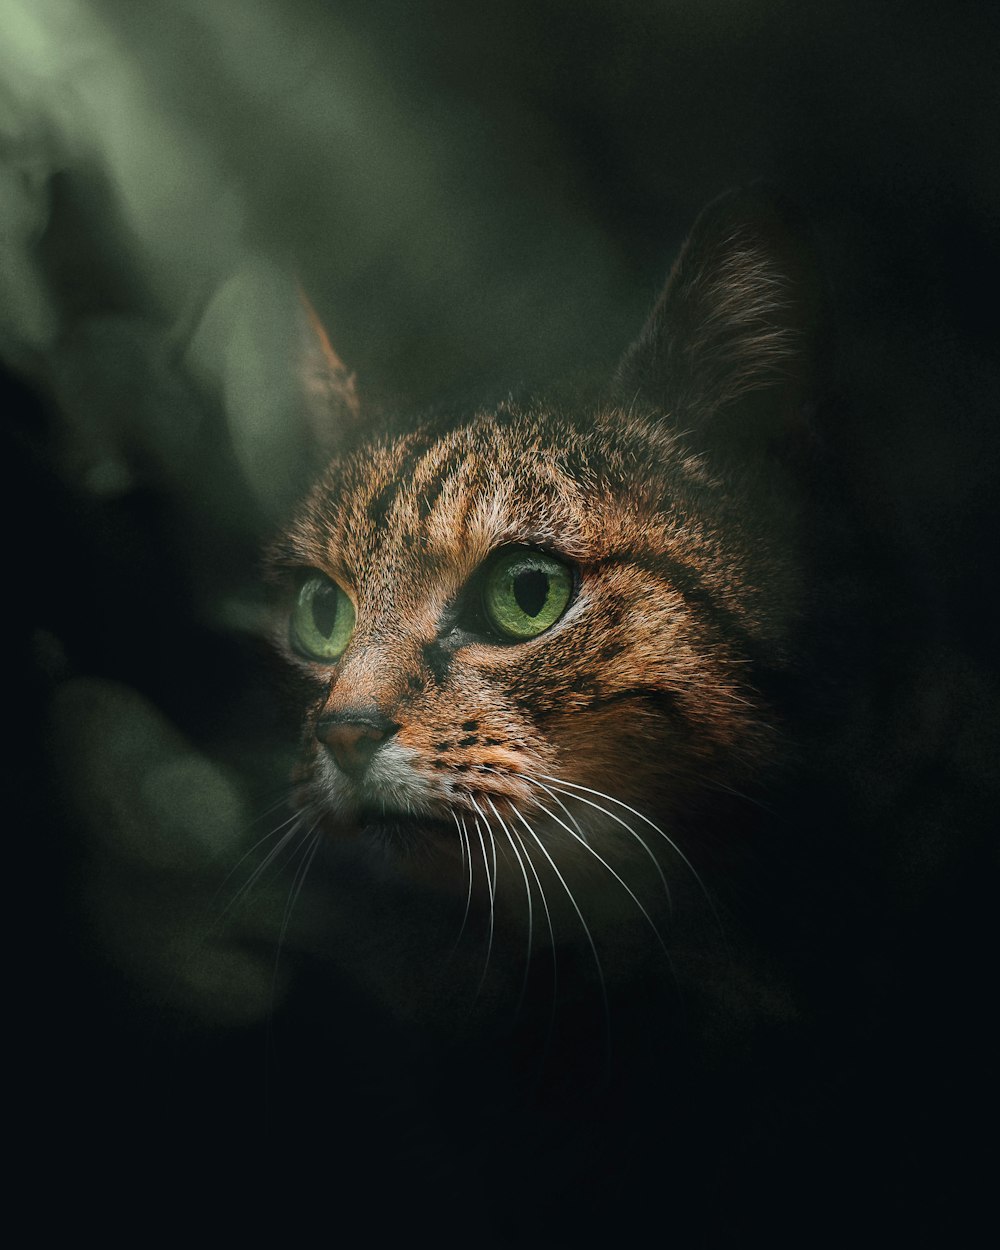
pixel 322 621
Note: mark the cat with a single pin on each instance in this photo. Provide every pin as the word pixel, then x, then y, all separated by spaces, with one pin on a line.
pixel 598 755
pixel 560 661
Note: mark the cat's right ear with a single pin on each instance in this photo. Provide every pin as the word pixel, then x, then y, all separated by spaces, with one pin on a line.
pixel 728 353
pixel 329 392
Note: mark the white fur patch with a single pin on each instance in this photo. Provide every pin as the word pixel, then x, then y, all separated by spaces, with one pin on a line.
pixel 391 784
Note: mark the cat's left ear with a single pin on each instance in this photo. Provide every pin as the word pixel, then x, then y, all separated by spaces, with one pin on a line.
pixel 328 391
pixel 728 353
pixel 288 399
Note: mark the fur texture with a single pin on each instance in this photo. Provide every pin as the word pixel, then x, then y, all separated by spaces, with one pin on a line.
pixel 631 738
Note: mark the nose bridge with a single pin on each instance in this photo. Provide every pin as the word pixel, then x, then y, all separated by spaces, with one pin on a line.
pixel 360 713
pixel 374 674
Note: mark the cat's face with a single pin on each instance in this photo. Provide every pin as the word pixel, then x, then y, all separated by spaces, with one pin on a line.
pixel 523 619
pixel 535 631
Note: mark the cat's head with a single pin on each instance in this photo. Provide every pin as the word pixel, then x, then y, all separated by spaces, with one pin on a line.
pixel 543 630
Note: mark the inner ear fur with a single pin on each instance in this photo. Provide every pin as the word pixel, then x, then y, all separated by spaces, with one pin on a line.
pixel 328 390
pixel 729 349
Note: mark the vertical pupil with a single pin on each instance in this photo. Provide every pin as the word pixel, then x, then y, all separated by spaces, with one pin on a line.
pixel 324 610
pixel 531 589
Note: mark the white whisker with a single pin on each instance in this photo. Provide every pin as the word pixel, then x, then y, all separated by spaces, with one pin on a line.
pixel 260 842
pixel 625 825
pixel 552 935
pixel 527 895
pixel 656 828
pixel 491 884
pixel 298 881
pixel 579 913
pixel 296 824
pixel 463 836
pixel 721 785
pixel 569 815
pixel 601 860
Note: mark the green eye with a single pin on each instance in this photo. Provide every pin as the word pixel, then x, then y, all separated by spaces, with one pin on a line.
pixel 322 619
pixel 526 592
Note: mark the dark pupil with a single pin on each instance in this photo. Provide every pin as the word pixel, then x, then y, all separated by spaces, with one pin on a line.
pixel 324 609
pixel 531 589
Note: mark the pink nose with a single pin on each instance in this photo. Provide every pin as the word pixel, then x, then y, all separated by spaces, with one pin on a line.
pixel 354 736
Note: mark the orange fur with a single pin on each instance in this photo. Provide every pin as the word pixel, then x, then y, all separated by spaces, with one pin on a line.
pixel 644 694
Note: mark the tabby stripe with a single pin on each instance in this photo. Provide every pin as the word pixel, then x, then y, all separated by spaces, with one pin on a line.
pixel 428 499
pixel 407 475
pixel 689 584
pixel 382 503
pixel 665 701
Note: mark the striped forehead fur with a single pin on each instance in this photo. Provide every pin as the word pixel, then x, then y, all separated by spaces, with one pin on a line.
pixel 614 486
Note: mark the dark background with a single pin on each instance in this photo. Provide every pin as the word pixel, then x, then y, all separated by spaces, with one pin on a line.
pixel 473 196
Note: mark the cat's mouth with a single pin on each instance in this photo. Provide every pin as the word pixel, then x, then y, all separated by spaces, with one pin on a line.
pixel 401 831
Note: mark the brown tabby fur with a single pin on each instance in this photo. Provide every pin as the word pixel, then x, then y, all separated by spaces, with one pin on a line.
pixel 622 742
